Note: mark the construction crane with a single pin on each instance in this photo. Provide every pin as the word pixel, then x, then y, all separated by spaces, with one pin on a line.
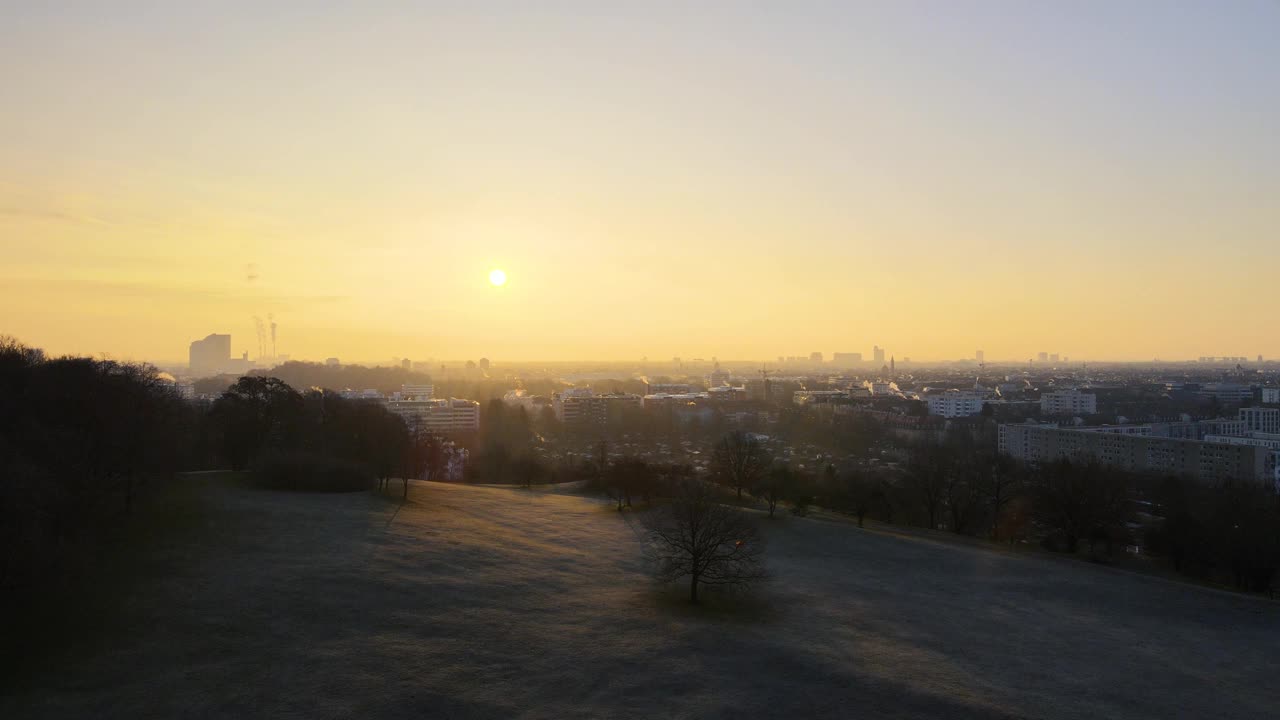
pixel 765 372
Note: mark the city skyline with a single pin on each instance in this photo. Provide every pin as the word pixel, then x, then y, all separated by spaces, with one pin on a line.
pixel 655 180
pixel 835 359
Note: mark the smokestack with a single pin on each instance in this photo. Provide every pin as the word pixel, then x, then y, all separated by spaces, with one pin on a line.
pixel 272 318
pixel 262 339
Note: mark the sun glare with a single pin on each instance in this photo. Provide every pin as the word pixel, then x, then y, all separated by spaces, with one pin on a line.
pixel 497 277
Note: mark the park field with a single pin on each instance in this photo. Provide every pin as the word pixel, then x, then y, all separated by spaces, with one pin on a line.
pixel 490 602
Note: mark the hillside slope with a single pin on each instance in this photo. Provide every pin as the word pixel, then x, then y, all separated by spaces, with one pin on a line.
pixel 497 602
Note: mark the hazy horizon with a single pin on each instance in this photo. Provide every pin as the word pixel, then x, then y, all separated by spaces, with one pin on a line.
pixel 1093 180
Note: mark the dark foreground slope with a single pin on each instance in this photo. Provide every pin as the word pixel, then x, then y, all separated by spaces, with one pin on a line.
pixel 490 602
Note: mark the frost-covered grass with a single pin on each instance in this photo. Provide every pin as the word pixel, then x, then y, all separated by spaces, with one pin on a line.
pixel 501 602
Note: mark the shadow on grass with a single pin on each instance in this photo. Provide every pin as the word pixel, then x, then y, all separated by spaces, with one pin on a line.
pixel 751 605
pixel 76 610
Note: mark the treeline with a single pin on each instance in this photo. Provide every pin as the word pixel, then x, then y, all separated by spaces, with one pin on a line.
pixel 1225 533
pixel 1228 532
pixel 303 376
pixel 319 440
pixel 82 440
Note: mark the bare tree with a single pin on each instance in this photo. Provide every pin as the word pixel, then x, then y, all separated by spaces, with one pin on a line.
pixel 927 480
pixel 740 461
pixel 774 485
pixel 862 489
pixel 1082 502
pixel 529 470
pixel 698 538
pixel 963 496
pixel 1002 483
pixel 629 476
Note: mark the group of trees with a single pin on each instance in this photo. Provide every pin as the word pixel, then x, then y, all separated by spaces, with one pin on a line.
pixel 319 440
pixel 83 439
pixel 1228 532
pixel 80 440
pixel 506 450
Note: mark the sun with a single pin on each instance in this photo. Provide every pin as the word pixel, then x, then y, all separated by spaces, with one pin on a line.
pixel 497 277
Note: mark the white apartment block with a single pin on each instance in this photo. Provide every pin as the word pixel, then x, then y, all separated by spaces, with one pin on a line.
pixel 954 403
pixel 1205 460
pixel 439 416
pixel 1069 402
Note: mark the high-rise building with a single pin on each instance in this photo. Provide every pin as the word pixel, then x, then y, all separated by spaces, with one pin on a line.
pixel 211 355
pixel 877 355
pixel 815 357
pixel 845 358
pixel 1053 357
pixel 1043 357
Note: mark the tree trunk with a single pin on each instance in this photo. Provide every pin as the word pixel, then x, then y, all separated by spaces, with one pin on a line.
pixel 406 489
pixel 693 589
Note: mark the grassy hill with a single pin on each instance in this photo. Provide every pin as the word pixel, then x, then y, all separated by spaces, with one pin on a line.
pixel 495 602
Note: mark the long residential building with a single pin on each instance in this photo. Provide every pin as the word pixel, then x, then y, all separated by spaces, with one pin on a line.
pixel 1271 396
pixel 1205 461
pixel 438 416
pixel 582 406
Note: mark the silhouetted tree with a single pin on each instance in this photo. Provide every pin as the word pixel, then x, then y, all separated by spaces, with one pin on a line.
pixel 696 537
pixel 257 414
pixel 80 440
pixel 1001 483
pixel 1082 501
pixel 927 475
pixel 528 470
pixel 774 484
pixel 862 490
pixel 739 461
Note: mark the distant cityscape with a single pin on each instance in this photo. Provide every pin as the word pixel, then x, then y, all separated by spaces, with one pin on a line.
pixel 1211 418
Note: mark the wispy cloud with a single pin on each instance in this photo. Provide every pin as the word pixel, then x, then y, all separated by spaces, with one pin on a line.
pixel 167 293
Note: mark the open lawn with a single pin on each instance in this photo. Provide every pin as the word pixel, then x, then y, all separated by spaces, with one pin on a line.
pixel 501 602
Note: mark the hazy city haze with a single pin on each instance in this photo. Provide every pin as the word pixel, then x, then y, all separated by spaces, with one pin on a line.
pixel 1095 179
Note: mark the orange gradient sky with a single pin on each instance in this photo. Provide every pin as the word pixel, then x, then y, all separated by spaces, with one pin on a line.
pixel 1096 179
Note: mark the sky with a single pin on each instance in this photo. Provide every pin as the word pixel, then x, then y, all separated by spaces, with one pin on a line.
pixel 732 179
